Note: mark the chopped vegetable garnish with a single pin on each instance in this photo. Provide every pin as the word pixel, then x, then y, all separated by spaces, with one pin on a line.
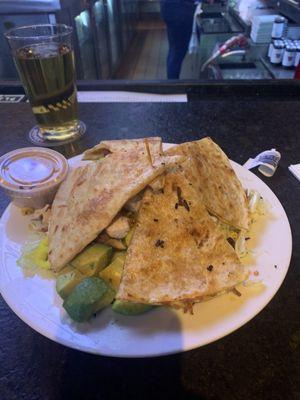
pixel 35 255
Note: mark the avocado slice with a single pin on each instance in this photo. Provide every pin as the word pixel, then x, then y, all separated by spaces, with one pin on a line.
pixel 129 236
pixel 66 281
pixel 88 297
pixel 65 269
pixel 119 254
pixel 112 274
pixel 93 259
pixel 107 299
pixel 128 308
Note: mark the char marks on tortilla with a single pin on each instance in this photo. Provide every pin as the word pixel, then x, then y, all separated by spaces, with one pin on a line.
pixel 92 195
pixel 216 181
pixel 177 255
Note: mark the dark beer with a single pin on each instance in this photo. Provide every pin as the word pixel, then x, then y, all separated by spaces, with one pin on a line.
pixel 48 75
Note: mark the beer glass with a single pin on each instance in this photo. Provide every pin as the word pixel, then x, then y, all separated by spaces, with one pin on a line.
pixel 44 58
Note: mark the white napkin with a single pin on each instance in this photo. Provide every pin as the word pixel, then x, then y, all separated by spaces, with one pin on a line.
pixel 295 170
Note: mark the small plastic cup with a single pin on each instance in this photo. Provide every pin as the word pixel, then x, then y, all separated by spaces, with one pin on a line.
pixel 31 176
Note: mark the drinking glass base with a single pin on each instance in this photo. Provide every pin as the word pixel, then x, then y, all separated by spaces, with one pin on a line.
pixel 36 137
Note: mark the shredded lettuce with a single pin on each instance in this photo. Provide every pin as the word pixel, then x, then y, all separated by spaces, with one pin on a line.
pixel 35 255
pixel 254 198
pixel 228 230
pixel 240 245
pixel 257 205
pixel 257 208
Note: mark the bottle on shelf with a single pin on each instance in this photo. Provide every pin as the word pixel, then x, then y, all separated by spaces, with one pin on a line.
pixel 278 27
pixel 289 56
pixel 271 47
pixel 297 57
pixel 277 52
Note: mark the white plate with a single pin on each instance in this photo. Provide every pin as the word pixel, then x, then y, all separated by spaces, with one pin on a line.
pixel 162 331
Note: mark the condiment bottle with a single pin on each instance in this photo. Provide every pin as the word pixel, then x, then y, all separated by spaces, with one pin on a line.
pixel 289 55
pixel 271 47
pixel 278 27
pixel 277 53
pixel 297 57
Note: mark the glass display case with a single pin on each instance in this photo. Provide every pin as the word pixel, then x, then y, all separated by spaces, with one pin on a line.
pixel 100 14
pixel 115 32
pixel 85 40
pixel 15 13
pixel 102 31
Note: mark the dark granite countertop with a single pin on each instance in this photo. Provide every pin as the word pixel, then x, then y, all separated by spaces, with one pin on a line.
pixel 259 361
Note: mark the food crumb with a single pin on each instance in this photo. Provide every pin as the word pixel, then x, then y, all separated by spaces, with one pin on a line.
pixel 275 266
pixel 236 292
pixel 27 210
pixel 231 241
pixel 256 273
pixel 160 243
pixel 210 268
pixel 155 219
pixel 185 205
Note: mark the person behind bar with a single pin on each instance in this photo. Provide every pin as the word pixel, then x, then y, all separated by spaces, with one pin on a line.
pixel 178 15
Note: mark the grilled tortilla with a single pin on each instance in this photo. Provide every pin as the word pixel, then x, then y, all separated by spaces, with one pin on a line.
pixel 218 185
pixel 177 255
pixel 91 196
pixel 112 146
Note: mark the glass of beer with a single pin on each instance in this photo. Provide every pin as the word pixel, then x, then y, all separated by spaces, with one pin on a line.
pixel 44 58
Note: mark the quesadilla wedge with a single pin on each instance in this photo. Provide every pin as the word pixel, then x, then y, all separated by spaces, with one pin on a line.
pixel 217 183
pixel 112 146
pixel 92 195
pixel 177 255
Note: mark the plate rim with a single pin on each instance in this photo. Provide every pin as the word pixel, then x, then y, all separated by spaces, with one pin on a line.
pixel 68 343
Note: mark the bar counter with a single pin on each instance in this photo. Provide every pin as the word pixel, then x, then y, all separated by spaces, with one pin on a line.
pixel 261 360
